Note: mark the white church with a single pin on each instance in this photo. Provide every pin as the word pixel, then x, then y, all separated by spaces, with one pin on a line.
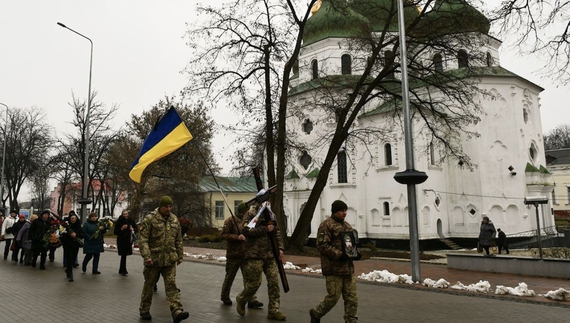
pixel 508 154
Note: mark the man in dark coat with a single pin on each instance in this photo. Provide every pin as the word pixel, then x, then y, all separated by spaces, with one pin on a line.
pixel 502 242
pixel 39 230
pixel 124 229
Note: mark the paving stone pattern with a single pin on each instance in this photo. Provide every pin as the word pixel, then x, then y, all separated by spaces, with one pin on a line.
pixel 31 295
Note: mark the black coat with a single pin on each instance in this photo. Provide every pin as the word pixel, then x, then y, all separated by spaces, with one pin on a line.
pixel 67 241
pixel 124 243
pixel 38 231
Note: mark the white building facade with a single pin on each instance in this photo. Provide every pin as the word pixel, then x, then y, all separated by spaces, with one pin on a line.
pixel 508 154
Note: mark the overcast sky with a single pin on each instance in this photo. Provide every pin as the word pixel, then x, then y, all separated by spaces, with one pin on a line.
pixel 139 52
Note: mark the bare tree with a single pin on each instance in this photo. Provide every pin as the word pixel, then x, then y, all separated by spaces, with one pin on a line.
pixel 557 138
pixel 28 140
pixel 540 27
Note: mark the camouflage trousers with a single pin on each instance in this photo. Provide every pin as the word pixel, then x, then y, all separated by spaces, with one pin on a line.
pixel 338 285
pixel 151 275
pixel 251 271
pixel 232 266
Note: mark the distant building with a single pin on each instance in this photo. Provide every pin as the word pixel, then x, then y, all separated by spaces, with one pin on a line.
pixel 558 163
pixel 236 190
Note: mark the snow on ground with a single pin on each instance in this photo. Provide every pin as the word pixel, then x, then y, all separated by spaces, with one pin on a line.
pixel 109 246
pixel 384 276
pixel 289 265
pixel 441 283
pixel 312 271
pixel 520 290
pixel 207 256
pixel 482 286
pixel 558 295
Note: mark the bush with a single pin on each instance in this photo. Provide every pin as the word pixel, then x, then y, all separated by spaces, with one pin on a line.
pixel 557 253
pixel 216 237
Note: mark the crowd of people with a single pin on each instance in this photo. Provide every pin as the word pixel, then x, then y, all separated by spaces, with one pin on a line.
pixel 38 237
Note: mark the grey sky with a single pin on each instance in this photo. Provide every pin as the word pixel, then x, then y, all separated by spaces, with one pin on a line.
pixel 139 52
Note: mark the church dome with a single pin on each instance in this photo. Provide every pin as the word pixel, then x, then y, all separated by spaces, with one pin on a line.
pixel 335 18
pixel 455 16
pixel 379 11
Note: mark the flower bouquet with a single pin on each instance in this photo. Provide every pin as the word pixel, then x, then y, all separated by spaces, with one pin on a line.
pixel 105 223
pixel 65 229
pixel 51 238
pixel 185 224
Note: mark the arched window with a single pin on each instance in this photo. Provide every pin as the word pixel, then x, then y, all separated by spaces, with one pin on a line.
pixel 342 170
pixel 462 58
pixel 389 62
pixel 386 207
pixel 489 60
pixel 315 69
pixel 432 154
pixel 438 63
pixel 388 154
pixel 346 64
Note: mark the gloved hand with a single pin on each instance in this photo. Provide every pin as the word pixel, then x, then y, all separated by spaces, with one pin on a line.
pixel 344 257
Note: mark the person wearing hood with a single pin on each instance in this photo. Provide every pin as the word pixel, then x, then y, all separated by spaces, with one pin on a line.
pixel 124 229
pixel 18 245
pixel 486 234
pixel 71 241
pixel 7 231
pixel 23 238
pixel 39 231
pixel 93 245
pixel 336 242
pixel 235 254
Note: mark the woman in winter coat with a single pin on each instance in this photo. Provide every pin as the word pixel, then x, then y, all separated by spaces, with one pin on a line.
pixel 124 227
pixel 486 234
pixel 71 241
pixel 93 245
pixel 23 238
pixel 39 231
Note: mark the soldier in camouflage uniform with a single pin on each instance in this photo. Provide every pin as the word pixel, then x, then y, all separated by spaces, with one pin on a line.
pixel 259 258
pixel 160 243
pixel 235 253
pixel 337 266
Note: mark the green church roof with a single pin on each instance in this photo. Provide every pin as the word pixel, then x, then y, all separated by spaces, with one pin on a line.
pixel 530 168
pixel 382 12
pixel 335 18
pixel 453 17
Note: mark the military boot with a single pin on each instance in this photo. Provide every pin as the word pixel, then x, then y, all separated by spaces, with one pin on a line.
pixel 277 316
pixel 314 318
pixel 254 304
pixel 240 307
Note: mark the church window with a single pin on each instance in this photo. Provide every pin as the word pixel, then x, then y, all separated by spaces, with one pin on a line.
pixel 388 154
pixel 306 160
pixel 308 126
pixel 315 69
pixel 432 154
pixel 219 210
pixel 386 207
pixel 389 62
pixel 437 201
pixel 342 169
pixel 489 60
pixel 438 63
pixel 525 115
pixel 346 64
pixel 472 211
pixel 462 58
pixel 532 152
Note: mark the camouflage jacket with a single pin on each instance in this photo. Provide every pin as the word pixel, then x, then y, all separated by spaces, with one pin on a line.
pixel 160 239
pixel 329 244
pixel 257 244
pixel 235 247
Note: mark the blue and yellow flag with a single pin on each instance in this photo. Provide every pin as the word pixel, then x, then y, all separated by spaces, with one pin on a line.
pixel 169 134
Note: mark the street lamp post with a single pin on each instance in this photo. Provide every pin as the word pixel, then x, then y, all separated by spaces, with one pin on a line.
pixel 84 198
pixel 4 160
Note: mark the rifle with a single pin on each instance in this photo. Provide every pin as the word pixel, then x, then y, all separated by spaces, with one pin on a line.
pixel 273 234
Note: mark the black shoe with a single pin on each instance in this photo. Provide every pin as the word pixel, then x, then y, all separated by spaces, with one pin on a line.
pixel 314 319
pixel 254 304
pixel 75 265
pixel 42 267
pixel 21 261
pixel 84 268
pixel 181 316
pixel 146 316
pixel 51 260
pixel 70 279
pixel 96 273
pixel 226 300
pixel 33 265
pixel 155 289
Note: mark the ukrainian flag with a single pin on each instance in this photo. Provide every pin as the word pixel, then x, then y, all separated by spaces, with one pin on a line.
pixel 169 134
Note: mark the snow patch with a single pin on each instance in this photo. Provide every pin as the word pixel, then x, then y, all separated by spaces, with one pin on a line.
pixel 109 246
pixel 558 295
pixel 312 271
pixel 384 276
pixel 289 265
pixel 441 283
pixel 482 286
pixel 520 290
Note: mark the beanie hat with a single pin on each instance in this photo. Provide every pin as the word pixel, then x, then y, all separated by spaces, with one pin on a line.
pixel 22 216
pixel 45 212
pixel 164 201
pixel 242 208
pixel 71 212
pixel 338 205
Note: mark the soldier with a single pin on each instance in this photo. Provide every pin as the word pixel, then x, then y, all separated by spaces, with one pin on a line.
pixel 161 247
pixel 259 258
pixel 337 265
pixel 235 254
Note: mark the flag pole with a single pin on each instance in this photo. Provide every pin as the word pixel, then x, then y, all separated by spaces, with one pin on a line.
pixel 220 188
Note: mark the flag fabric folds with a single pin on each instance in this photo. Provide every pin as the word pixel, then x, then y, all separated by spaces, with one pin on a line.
pixel 169 134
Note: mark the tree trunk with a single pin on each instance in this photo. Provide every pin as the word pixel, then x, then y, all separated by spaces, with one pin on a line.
pixel 270 145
